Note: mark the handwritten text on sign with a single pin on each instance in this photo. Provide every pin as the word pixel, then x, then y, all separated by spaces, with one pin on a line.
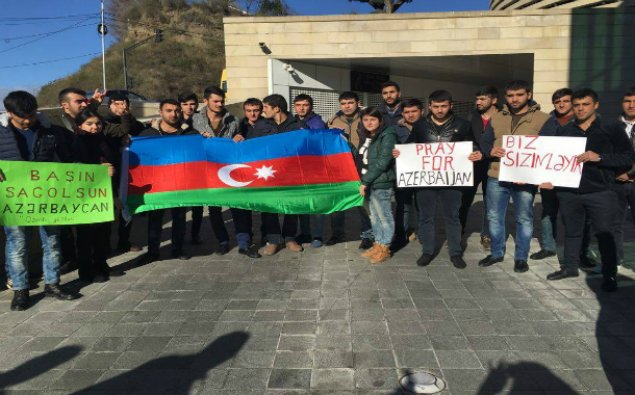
pixel 534 160
pixel 36 193
pixel 434 165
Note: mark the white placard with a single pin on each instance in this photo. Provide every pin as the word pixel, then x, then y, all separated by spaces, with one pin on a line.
pixel 435 165
pixel 538 159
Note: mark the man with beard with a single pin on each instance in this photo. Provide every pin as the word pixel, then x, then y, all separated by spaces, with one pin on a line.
pixel 189 106
pixel 519 116
pixel 169 126
pixel 213 121
pixel 391 107
pixel 441 125
pixel 485 106
pixel 349 121
pixel 607 152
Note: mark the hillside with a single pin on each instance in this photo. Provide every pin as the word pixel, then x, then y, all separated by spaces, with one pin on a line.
pixel 190 56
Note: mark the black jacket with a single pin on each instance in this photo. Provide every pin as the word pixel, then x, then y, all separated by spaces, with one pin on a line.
pixel 614 149
pixel 246 129
pixel 266 127
pixel 454 129
pixel 49 144
pixel 390 118
pixel 158 132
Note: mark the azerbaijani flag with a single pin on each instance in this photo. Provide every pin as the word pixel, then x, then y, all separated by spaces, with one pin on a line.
pixel 300 172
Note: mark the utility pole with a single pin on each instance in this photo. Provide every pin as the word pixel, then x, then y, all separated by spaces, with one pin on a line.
pixel 158 37
pixel 102 31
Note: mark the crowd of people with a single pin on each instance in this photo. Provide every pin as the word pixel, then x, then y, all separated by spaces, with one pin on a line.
pixel 597 207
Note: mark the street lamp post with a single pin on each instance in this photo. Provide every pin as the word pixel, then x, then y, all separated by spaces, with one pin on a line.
pixel 158 37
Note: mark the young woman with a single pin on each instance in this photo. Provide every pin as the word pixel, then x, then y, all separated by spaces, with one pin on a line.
pixel 378 179
pixel 90 146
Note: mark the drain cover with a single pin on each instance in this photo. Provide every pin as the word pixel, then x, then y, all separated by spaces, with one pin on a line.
pixel 422 383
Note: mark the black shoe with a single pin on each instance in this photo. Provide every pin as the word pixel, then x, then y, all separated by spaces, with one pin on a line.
pixel 336 240
pixel 68 267
pixel 21 300
pixel 366 244
pixel 149 257
pixel 520 266
pixel 180 255
pixel 458 262
pixel 562 274
pixel 223 248
pixel 302 238
pixel 100 278
pixel 586 263
pixel 609 284
pixel 424 260
pixel 196 241
pixel 542 254
pixel 54 291
pixel 398 244
pixel 251 252
pixel 489 261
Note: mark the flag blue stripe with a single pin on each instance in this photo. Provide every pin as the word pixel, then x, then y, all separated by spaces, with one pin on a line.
pixel 156 151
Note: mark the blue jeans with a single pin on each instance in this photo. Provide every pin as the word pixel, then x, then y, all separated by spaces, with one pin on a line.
pixel 498 194
pixel 17 254
pixel 381 218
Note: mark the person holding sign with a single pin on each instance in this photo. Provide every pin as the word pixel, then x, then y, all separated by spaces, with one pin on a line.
pixel 26 138
pixel 608 152
pixel 378 179
pixel 519 116
pixel 441 125
pixel 91 146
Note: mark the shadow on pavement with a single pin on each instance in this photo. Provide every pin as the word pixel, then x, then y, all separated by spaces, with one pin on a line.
pixel 37 366
pixel 173 374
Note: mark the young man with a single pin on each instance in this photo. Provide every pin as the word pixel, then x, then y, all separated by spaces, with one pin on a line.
pixel 391 107
pixel 412 111
pixel 560 117
pixel 311 226
pixel 519 116
pixel 213 121
pixel 441 125
pixel 169 126
pixel 26 138
pixel 72 101
pixel 625 182
pixel 607 151
pixel 348 120
pixel 252 110
pixel 275 110
pixel 120 125
pixel 485 104
pixel 189 106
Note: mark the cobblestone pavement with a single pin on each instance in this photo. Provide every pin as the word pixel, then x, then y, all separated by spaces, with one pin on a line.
pixel 323 322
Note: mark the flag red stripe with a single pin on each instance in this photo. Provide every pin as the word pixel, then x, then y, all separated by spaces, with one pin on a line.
pixel 289 171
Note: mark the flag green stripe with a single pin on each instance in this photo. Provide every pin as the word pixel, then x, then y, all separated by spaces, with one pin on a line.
pixel 304 199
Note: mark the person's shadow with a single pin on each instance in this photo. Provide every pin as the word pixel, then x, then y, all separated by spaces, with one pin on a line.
pixel 173 374
pixel 523 376
pixel 38 365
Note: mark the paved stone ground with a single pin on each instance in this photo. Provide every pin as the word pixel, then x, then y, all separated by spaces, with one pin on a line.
pixel 323 322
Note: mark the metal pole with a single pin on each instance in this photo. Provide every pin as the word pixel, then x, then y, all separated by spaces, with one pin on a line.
pixel 125 70
pixel 103 44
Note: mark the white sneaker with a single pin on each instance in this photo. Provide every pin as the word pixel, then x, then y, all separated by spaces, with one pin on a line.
pixel 9 284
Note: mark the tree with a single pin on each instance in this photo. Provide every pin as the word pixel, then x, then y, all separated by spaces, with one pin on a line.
pixel 266 7
pixel 387 6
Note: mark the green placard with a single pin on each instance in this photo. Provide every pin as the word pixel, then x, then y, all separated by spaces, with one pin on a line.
pixel 38 193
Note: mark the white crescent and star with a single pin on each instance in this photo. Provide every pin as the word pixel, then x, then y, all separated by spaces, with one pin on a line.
pixel 224 174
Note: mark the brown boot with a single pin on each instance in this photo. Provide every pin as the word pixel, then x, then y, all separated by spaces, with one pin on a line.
pixel 293 246
pixel 382 254
pixel 371 251
pixel 270 249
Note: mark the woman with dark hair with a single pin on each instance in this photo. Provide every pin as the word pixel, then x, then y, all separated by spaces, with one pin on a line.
pixel 90 146
pixel 378 179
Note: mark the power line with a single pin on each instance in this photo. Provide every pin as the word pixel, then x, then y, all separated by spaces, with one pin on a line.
pixel 7 39
pixel 15 66
pixel 43 37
